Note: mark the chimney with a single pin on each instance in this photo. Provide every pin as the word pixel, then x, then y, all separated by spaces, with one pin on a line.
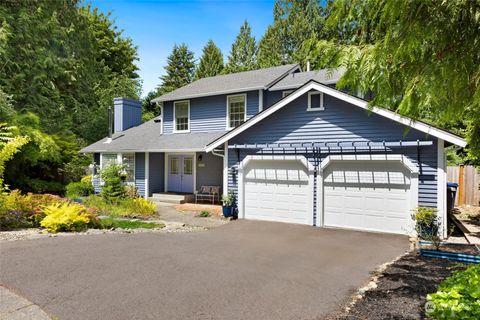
pixel 110 122
pixel 128 114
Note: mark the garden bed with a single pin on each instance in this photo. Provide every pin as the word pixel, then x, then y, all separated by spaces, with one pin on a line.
pixel 400 292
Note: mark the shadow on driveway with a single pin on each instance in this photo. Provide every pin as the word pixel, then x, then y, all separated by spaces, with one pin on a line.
pixel 241 270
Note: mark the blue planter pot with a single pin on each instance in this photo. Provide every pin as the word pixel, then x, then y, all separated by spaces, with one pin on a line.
pixel 227 211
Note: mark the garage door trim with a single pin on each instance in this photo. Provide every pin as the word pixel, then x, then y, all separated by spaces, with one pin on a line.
pixel 366 157
pixel 241 183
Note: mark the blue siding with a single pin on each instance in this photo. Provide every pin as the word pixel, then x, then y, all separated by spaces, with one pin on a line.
pixel 127 113
pixel 140 173
pixel 271 97
pixel 340 121
pixel 209 170
pixel 208 114
pixel 156 169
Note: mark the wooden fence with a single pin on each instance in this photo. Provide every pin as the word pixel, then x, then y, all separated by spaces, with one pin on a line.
pixel 468 179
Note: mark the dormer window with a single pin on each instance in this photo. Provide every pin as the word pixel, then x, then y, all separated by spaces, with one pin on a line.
pixel 181 116
pixel 236 110
pixel 315 101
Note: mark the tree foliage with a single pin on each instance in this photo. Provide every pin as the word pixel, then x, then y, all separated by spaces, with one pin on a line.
pixel 211 61
pixel 295 21
pixel 243 54
pixel 419 58
pixel 179 70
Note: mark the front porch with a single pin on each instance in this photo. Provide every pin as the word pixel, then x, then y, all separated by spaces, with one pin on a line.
pixel 166 176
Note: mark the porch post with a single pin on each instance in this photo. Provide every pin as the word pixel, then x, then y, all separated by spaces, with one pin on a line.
pixel 147 173
pixel 225 169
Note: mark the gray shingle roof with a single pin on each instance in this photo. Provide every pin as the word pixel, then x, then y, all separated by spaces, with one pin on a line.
pixel 147 137
pixel 297 79
pixel 229 83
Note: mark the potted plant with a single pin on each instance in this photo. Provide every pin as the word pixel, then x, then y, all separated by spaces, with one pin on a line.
pixel 228 204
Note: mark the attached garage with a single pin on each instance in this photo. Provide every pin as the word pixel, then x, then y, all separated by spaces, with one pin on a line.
pixel 375 195
pixel 276 188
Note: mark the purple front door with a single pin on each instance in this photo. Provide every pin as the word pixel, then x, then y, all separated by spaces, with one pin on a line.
pixel 180 173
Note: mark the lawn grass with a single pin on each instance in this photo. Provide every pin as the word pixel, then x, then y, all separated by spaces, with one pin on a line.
pixel 110 223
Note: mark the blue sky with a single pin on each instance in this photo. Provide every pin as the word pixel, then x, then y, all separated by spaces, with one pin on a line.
pixel 155 26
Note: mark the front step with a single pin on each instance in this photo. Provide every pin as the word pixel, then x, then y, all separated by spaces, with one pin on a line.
pixel 172 198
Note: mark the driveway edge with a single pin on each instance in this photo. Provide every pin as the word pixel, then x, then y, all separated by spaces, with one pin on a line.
pixel 15 307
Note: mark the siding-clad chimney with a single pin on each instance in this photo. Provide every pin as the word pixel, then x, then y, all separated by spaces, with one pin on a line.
pixel 128 113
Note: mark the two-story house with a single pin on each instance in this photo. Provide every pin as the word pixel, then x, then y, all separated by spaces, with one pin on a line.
pixel 291 146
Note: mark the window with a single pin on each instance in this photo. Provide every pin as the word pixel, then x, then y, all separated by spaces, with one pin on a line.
pixel 187 166
pixel 108 159
pixel 315 101
pixel 182 116
pixel 129 166
pixel 286 93
pixel 173 165
pixel 236 110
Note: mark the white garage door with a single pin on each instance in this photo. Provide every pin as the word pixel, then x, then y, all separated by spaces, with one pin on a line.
pixel 367 195
pixel 277 190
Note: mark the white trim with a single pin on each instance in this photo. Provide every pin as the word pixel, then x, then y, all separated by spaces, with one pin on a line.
pixel 286 93
pixel 175 119
pixel 225 169
pixel 260 100
pixel 120 158
pixel 194 169
pixel 442 187
pixel 309 106
pixel 347 98
pixel 161 116
pixel 244 95
pixel 294 87
pixel 165 172
pixel 241 189
pixel 407 163
pixel 147 174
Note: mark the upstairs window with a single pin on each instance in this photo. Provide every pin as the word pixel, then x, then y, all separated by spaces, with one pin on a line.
pixel 315 101
pixel 236 107
pixel 182 116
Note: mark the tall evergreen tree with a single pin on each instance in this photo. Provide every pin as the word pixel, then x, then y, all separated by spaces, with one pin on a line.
pixel 270 49
pixel 211 62
pixel 295 21
pixel 244 51
pixel 180 69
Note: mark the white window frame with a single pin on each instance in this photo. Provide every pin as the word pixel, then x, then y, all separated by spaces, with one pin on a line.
pixel 286 93
pixel 160 104
pixel 244 95
pixel 175 117
pixel 315 93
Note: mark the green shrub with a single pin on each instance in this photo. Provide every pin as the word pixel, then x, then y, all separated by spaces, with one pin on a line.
pixel 204 214
pixel 427 224
pixel 68 217
pixel 86 179
pixel 138 207
pixel 79 189
pixel 458 297
pixel 42 186
pixel 113 188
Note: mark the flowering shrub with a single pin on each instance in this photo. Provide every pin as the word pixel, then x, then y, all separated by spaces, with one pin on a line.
pixel 24 211
pixel 68 217
pixel 458 297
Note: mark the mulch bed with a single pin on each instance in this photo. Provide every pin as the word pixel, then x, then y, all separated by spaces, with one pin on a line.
pixel 401 291
pixel 456 248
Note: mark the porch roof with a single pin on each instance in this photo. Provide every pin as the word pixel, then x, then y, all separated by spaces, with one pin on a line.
pixel 147 137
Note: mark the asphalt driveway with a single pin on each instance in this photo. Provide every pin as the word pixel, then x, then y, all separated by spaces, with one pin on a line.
pixel 242 270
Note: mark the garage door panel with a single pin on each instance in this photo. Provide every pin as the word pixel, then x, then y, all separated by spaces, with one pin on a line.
pixel 367 195
pixel 277 191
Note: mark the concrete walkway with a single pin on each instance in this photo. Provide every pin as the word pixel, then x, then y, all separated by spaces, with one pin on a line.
pixel 14 307
pixel 168 214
